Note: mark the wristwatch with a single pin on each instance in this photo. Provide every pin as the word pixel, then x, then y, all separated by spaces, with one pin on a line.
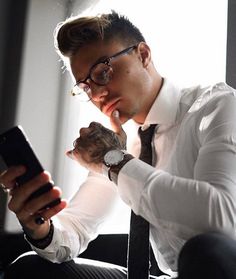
pixel 113 161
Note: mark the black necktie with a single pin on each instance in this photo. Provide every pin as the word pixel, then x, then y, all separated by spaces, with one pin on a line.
pixel 138 250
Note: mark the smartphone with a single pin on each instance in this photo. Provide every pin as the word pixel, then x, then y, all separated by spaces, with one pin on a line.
pixel 15 149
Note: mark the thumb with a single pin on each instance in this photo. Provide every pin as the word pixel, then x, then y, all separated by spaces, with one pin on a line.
pixel 115 122
pixel 117 127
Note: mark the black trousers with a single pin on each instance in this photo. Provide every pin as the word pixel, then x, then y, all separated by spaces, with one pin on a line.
pixel 206 256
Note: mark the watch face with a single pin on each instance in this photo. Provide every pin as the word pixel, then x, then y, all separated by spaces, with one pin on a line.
pixel 113 157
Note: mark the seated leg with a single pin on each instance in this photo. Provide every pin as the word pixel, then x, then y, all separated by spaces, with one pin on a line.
pixel 30 265
pixel 208 256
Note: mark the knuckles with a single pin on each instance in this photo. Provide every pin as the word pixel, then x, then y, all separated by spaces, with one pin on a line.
pixel 95 140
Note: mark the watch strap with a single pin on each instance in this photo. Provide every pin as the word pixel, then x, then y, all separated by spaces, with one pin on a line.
pixel 114 170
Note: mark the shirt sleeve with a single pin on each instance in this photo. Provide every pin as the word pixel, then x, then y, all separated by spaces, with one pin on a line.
pixel 79 223
pixel 205 201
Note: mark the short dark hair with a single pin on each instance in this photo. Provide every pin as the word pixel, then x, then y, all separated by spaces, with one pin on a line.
pixel 77 32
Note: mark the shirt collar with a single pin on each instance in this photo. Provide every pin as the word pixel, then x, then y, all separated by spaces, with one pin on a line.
pixel 164 109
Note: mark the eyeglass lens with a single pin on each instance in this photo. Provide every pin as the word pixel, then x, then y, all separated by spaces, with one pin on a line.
pixel 100 74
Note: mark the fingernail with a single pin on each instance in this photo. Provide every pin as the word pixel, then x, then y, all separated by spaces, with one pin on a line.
pixel 115 113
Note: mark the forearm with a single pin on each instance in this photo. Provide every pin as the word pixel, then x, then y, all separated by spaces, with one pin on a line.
pixel 161 197
pixel 65 245
pixel 79 223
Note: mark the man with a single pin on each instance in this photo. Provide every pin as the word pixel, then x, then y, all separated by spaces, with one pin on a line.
pixel 188 192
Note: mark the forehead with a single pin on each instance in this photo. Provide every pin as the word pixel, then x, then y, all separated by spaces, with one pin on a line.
pixel 88 55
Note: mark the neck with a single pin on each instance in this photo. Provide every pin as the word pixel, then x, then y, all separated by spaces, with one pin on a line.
pixel 156 90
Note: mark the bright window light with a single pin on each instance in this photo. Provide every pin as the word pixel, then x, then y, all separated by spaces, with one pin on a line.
pixel 188 42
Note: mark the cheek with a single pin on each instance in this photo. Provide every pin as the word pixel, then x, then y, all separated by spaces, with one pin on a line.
pixel 134 77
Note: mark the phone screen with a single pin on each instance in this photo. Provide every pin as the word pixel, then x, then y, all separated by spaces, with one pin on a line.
pixel 15 149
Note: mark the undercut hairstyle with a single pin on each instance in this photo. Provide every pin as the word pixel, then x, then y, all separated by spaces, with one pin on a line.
pixel 77 32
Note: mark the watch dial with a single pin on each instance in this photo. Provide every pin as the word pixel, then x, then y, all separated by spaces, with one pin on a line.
pixel 113 157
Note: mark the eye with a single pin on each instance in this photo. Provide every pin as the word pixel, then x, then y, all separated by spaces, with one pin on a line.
pixel 83 87
pixel 86 88
pixel 102 73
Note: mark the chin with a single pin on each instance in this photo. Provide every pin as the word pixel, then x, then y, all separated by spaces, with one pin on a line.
pixel 124 119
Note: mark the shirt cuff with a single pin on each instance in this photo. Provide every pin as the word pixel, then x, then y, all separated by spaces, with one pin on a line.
pixel 132 181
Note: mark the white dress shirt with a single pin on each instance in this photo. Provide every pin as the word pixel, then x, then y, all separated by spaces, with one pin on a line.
pixel 191 189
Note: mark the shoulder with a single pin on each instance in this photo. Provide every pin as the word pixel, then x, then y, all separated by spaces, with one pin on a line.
pixel 217 111
pixel 218 98
pixel 198 97
pixel 206 108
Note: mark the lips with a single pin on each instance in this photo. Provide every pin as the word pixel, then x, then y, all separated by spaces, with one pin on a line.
pixel 109 107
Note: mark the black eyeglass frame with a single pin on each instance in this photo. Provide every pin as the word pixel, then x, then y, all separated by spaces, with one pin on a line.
pixel 106 62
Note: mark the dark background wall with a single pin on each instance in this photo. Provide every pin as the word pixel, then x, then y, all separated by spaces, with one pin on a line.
pixel 231 44
pixel 12 26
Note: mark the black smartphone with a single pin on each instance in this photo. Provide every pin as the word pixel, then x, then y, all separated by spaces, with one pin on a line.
pixel 15 149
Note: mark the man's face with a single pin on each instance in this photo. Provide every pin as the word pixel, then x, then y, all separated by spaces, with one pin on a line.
pixel 128 89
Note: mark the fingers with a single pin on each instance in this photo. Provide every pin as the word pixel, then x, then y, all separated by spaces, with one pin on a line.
pixel 37 230
pixel 117 127
pixel 8 178
pixel 47 214
pixel 22 193
pixel 115 122
pixel 28 206
pixel 94 141
pixel 35 212
pixel 71 155
pixel 74 155
pixel 91 129
pixel 34 206
pixel 27 219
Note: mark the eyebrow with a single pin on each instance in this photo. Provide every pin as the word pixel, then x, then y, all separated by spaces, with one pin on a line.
pixel 100 60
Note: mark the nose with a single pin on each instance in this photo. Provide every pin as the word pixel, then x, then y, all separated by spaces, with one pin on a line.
pixel 98 92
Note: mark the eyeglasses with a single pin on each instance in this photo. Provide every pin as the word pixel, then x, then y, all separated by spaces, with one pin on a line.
pixel 100 73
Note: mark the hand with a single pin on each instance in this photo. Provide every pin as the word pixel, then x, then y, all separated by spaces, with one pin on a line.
pixel 95 141
pixel 27 209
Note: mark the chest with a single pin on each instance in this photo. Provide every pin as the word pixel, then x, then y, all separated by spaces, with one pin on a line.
pixel 176 148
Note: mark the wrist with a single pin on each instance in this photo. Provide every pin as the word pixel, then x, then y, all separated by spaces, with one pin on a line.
pixel 41 243
pixel 114 160
pixel 114 170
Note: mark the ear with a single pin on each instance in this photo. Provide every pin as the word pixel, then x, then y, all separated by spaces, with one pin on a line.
pixel 144 54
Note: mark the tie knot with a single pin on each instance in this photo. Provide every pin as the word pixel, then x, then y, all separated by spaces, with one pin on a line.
pixel 146 135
